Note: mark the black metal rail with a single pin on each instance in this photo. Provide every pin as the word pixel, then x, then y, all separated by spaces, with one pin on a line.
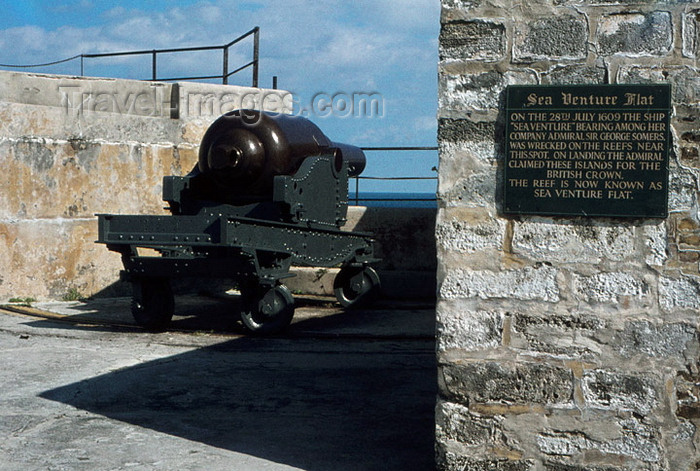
pixel 255 32
pixel 357 197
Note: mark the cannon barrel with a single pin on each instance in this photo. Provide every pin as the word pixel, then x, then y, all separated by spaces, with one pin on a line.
pixel 244 150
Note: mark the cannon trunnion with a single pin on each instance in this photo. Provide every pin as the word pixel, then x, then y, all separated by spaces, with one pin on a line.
pixel 269 192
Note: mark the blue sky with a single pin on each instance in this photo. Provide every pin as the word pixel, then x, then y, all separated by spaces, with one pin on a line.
pixel 385 47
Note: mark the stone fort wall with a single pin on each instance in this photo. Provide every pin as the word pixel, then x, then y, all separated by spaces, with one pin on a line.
pixel 564 343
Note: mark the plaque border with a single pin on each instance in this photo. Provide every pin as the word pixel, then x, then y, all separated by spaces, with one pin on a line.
pixel 577 210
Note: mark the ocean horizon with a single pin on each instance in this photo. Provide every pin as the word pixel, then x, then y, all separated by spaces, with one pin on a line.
pixel 392 200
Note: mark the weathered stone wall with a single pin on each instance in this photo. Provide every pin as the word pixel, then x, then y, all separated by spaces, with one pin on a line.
pixel 73 147
pixel 564 343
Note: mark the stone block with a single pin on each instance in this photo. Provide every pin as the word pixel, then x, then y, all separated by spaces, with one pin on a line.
pixel 687 389
pixel 682 191
pixel 460 232
pixel 688 224
pixel 656 243
pixel 574 74
pixel 73 94
pixel 454 422
pixel 688 256
pixel 682 438
pixel 570 335
pixel 468 156
pixel 691 33
pixel 640 445
pixel 691 136
pixel 635 441
pixel 461 131
pixel 553 37
pixel 561 444
pixel 689 240
pixel 636 34
pixel 679 293
pixel 609 287
pixel 461 4
pixel 619 392
pixel 472 40
pixel 479 91
pixel 450 461
pixel 597 2
pixel 468 330
pixel 311 280
pixel 684 432
pixel 475 191
pixel 553 466
pixel 690 156
pixel 572 241
pixel 659 341
pixel 490 381
pixel 526 284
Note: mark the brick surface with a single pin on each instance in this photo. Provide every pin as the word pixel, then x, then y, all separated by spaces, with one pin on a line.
pixel 636 34
pixel 608 390
pixel 554 37
pixel 472 40
pixel 521 383
pixel 524 284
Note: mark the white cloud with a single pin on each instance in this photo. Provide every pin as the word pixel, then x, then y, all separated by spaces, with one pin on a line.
pixel 387 46
pixel 26 39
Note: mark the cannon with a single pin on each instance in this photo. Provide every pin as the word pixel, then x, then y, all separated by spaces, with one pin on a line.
pixel 270 191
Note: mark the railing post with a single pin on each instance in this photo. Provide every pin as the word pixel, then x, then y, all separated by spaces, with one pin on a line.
pixel 256 55
pixel 225 76
pixel 154 65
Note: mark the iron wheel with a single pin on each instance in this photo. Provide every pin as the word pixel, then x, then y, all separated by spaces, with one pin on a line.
pixel 152 303
pixel 356 286
pixel 267 310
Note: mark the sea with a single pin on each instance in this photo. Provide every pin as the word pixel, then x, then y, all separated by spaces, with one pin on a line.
pixel 392 200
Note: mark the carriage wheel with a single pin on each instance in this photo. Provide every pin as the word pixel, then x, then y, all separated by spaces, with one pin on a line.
pixel 356 286
pixel 267 310
pixel 152 303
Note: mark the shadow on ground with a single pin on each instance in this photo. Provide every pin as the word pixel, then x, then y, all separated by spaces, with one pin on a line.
pixel 312 403
pixel 315 316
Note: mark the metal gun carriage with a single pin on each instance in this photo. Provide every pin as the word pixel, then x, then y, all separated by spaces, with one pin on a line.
pixel 270 191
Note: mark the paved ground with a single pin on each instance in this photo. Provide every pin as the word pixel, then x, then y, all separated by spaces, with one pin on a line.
pixel 85 390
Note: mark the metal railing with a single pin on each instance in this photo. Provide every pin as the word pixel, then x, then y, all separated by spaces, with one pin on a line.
pixel 357 197
pixel 255 32
pixel 225 48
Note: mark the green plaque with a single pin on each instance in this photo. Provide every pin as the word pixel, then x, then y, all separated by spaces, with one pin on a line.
pixel 587 150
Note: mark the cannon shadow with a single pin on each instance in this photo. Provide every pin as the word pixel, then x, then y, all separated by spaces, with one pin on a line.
pixel 315 404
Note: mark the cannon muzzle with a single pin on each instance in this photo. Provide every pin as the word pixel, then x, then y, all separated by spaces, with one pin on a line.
pixel 244 150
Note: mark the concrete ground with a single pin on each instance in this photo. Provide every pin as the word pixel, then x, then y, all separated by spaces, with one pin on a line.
pixel 84 389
